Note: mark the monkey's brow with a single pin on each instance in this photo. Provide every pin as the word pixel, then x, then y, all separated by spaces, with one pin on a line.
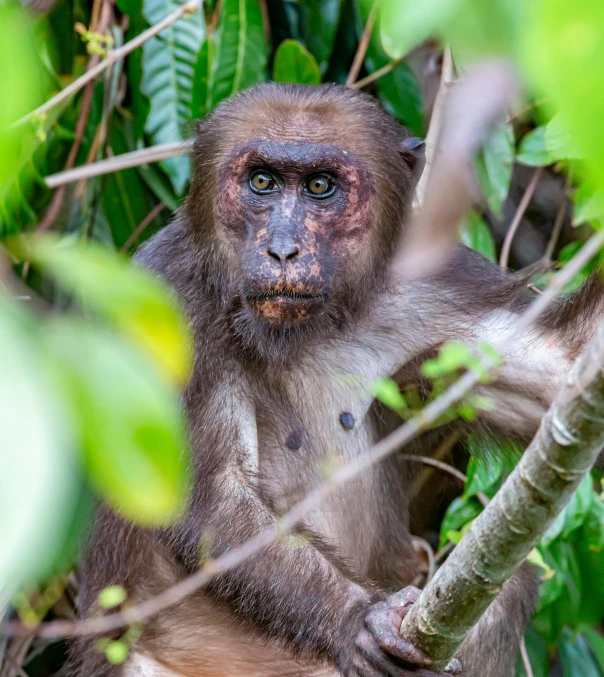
pixel 300 154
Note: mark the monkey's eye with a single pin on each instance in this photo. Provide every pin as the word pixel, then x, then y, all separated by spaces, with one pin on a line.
pixel 320 185
pixel 262 182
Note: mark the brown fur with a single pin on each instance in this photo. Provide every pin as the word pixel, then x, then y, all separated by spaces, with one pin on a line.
pixel 272 377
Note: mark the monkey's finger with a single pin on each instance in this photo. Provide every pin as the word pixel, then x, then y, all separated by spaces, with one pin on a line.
pixel 404 598
pixel 401 648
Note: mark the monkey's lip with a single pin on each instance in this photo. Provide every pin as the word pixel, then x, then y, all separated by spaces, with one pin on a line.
pixel 286 294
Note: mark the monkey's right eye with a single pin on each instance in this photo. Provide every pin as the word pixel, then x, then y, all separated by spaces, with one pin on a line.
pixel 262 182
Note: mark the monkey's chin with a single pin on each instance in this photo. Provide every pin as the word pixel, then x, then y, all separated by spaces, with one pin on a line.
pixel 285 311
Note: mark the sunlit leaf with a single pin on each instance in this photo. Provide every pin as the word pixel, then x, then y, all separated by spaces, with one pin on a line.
pixel 564 57
pixel 458 514
pixel 128 295
pixel 111 597
pixel 406 23
pixel 483 472
pixel 168 67
pixel 589 206
pixel 241 48
pixel 388 393
pixel 293 63
pixel 130 423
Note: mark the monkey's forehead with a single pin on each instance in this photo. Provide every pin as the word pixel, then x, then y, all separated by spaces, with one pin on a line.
pixel 298 154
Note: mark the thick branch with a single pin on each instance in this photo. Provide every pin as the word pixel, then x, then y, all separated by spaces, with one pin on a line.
pixel 566 446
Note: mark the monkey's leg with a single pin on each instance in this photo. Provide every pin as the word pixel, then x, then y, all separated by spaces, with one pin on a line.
pixel 201 639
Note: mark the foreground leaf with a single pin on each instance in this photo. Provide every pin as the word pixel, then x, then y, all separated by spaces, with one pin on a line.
pixel 128 295
pixel 130 423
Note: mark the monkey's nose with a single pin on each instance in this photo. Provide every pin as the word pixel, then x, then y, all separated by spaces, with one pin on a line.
pixel 283 251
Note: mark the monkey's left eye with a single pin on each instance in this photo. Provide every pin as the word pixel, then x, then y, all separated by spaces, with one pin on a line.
pixel 262 181
pixel 320 185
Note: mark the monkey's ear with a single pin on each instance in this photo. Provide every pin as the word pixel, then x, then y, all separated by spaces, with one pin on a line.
pixel 413 150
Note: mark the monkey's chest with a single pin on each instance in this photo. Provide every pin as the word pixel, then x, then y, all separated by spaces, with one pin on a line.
pixel 302 439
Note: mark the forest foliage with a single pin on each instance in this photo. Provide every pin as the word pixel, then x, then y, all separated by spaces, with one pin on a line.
pixel 93 350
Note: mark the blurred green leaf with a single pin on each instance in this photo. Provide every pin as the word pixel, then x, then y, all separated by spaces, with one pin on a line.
pixel 596 644
pixel 130 296
pixel 564 57
pixel 537 652
pixel 576 657
pixel 293 63
pixel 494 166
pixel 130 423
pixel 589 206
pixel 388 393
pixel 111 597
pixel 241 48
pixel 168 68
pixel 37 470
pixel 474 233
pixel 406 23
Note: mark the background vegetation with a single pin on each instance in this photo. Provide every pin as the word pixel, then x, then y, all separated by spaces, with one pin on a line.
pixel 92 351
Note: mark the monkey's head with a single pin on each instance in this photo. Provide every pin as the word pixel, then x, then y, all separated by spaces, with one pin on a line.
pixel 302 191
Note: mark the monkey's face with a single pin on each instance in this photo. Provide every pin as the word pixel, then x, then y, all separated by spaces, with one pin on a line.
pixel 298 217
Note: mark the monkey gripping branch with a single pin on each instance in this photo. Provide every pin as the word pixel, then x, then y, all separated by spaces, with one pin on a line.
pixel 562 453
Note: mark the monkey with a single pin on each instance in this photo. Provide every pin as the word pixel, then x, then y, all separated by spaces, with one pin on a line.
pixel 282 257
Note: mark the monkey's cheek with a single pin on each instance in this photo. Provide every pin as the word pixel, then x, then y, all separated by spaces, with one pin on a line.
pixel 283 311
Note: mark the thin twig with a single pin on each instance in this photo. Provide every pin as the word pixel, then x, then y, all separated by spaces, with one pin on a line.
pixel 376 75
pixel 524 203
pixel 560 216
pixel 526 661
pixel 113 56
pixel 124 161
pixel 141 227
pixel 397 439
pixel 359 57
pixel 447 77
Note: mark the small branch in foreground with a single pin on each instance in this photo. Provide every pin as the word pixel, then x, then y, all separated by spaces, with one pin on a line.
pixel 561 455
pixel 117 163
pixel 376 75
pixel 524 203
pixel 397 439
pixel 141 227
pixel 112 57
pixel 359 57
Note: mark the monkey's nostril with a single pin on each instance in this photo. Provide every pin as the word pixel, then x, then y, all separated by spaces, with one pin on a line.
pixel 283 254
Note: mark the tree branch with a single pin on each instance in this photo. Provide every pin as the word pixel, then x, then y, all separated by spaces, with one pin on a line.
pixel 565 448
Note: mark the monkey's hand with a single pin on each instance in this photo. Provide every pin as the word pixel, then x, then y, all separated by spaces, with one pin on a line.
pixel 380 651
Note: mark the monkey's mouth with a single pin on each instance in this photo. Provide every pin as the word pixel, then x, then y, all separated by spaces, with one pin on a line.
pixel 284 307
pixel 286 294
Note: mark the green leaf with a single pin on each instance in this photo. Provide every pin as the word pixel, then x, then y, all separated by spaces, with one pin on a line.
pixel 459 513
pixel 532 150
pixel 37 472
pixel 111 597
pixel 535 557
pixel 593 531
pixel 201 101
pixel 589 206
pixel 406 23
pixel 168 69
pixel 241 48
pixel 474 233
pixel 596 644
pixel 318 25
pixel 116 651
pixel 564 56
pixel 576 657
pixel 483 472
pixel 494 166
pixel 130 423
pixel 388 393
pixel 136 301
pixel 293 63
